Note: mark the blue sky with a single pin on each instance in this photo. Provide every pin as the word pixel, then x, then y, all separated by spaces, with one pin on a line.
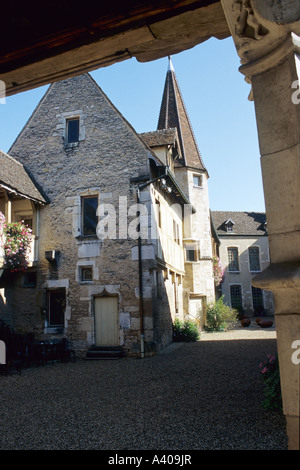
pixel 216 97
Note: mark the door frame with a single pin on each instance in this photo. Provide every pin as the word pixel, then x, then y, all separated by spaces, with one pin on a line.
pixel 106 294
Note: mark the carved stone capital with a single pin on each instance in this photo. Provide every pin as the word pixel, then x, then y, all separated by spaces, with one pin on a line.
pixel 260 26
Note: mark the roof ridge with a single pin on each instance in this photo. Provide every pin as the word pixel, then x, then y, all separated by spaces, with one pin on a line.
pixel 239 212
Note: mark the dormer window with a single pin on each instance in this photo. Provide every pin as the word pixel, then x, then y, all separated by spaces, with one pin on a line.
pixel 229 225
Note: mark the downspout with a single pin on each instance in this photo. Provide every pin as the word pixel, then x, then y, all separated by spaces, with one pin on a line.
pixel 141 286
pixel 139 188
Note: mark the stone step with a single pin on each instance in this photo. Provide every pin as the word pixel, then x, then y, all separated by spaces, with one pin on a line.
pixel 104 352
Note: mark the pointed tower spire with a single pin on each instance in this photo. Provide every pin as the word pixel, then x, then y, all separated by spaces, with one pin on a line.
pixel 173 114
pixel 171 68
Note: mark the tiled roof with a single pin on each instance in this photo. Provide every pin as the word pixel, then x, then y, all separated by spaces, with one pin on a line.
pixel 159 137
pixel 14 178
pixel 173 114
pixel 245 223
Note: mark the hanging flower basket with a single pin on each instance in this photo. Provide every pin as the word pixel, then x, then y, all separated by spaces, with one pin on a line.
pixel 15 240
pixel 218 271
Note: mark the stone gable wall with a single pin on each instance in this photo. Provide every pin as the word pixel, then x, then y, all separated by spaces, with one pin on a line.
pixel 109 154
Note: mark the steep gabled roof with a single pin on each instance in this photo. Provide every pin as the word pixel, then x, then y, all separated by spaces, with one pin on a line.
pixel 173 114
pixel 14 178
pixel 245 223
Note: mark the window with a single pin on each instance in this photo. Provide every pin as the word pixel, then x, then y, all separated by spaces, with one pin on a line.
pixel 176 232
pixel 191 253
pixel 72 130
pixel 86 274
pixel 229 225
pixel 89 205
pixel 56 304
pixel 197 181
pixel 25 220
pixel 158 212
pixel 233 259
pixel 30 279
pixel 257 299
pixel 254 258
pixel 236 297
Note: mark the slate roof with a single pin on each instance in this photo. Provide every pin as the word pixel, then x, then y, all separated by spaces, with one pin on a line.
pixel 14 178
pixel 173 114
pixel 245 223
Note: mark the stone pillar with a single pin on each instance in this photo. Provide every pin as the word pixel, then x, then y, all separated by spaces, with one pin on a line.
pixel 266 35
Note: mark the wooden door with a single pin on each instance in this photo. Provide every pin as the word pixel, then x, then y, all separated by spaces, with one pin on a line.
pixel 106 321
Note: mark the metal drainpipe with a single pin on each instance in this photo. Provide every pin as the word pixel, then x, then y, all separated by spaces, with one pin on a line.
pixel 141 287
pixel 141 267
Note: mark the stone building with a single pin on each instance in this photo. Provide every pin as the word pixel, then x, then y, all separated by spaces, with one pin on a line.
pixel 20 200
pixel 266 35
pixel 124 240
pixel 174 134
pixel 244 253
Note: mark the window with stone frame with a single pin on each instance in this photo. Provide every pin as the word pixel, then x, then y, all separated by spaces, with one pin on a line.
pixel 72 130
pixel 30 279
pixel 254 258
pixel 236 297
pixel 197 181
pixel 89 218
pixel 233 259
pixel 56 305
pixel 191 253
pixel 86 273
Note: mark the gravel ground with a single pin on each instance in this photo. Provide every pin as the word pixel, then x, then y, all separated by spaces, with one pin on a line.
pixel 194 396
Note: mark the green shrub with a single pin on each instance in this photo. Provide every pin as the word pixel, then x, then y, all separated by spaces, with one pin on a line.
pixel 219 316
pixel 185 331
pixel 272 389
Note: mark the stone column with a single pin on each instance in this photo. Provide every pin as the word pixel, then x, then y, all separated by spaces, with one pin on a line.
pixel 266 37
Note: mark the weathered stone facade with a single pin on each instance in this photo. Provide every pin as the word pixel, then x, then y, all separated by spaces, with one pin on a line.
pixel 110 287
pixel 107 155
